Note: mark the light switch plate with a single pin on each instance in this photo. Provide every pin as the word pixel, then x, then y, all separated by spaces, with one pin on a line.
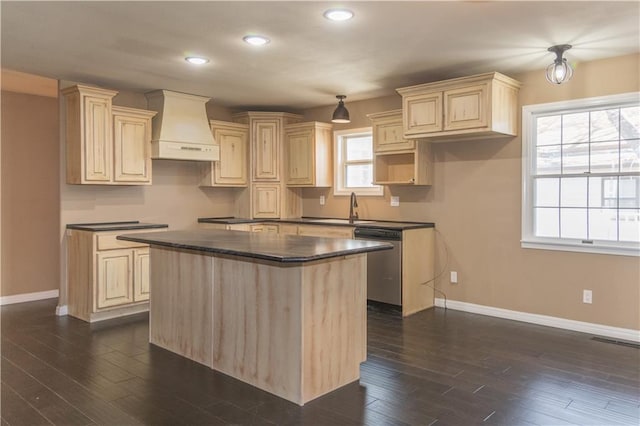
pixel 322 200
pixel 395 201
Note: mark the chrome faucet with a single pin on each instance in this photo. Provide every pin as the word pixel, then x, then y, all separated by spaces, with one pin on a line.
pixel 353 203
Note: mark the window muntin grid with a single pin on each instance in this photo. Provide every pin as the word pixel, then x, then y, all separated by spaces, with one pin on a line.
pixel 586 174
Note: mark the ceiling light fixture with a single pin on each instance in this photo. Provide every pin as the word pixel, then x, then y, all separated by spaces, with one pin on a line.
pixel 338 14
pixel 559 71
pixel 196 60
pixel 341 114
pixel 256 40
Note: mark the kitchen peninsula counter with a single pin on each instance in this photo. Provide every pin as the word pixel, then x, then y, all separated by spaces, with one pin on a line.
pixel 284 313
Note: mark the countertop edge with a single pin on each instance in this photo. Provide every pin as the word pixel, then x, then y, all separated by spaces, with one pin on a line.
pixel 109 226
pixel 261 256
pixel 315 221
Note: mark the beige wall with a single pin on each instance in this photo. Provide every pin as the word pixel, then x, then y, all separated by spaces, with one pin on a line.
pixel 29 185
pixel 174 197
pixel 475 202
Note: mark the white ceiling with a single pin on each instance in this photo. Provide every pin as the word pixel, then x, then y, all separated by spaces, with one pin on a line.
pixel 141 46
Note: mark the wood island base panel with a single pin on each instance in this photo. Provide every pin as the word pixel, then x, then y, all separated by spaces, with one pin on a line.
pixel 297 330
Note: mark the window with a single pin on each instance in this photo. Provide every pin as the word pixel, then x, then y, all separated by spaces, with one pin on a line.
pixel 581 175
pixel 354 163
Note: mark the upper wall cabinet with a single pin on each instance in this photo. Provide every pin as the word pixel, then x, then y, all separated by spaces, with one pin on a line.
pixel 132 145
pixel 105 145
pixel 231 169
pixel 308 159
pixel 388 134
pixel 398 161
pixel 476 107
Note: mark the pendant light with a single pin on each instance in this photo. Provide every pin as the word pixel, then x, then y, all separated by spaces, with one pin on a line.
pixel 559 71
pixel 340 115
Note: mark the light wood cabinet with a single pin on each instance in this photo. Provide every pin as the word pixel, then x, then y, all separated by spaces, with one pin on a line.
pixel 142 285
pixel 308 154
pixel 388 134
pixel 105 144
pixel 266 201
pixel 476 107
pixel 107 277
pixel 89 146
pixel 270 228
pixel 288 229
pixel 418 270
pixel 231 169
pixel 266 150
pixel 263 199
pixel 326 231
pixel 398 161
pixel 132 145
pixel 114 284
pixel 411 167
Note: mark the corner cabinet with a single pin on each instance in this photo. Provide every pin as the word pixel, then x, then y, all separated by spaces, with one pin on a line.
pixel 107 277
pixel 398 161
pixel 475 107
pixel 308 154
pixel 105 144
pixel 268 196
pixel 231 169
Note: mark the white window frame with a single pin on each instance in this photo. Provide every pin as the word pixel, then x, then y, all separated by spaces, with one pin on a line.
pixel 529 114
pixel 340 164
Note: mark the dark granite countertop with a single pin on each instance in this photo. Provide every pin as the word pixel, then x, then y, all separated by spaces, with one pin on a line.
pixel 258 245
pixel 379 224
pixel 115 226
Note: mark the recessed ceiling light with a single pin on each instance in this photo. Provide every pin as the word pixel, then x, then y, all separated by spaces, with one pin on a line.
pixel 338 14
pixel 196 60
pixel 256 40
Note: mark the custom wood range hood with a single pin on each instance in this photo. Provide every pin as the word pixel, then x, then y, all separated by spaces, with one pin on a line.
pixel 181 127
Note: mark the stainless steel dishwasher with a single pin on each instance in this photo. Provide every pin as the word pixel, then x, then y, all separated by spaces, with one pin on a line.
pixel 384 268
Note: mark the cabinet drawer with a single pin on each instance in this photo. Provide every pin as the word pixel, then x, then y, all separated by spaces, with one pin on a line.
pixel 109 242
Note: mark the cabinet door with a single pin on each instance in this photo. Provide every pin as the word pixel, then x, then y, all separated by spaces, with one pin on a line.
pixel 466 108
pixel 422 113
pixel 114 283
pixel 97 140
pixel 141 285
pixel 288 229
pixel 266 149
pixel 300 157
pixel 232 167
pixel 266 201
pixel 388 135
pixel 132 148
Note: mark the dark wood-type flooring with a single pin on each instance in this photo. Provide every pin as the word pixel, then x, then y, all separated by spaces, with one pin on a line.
pixel 434 368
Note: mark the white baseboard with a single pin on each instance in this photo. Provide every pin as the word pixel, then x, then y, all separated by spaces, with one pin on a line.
pixel 62 310
pixel 28 297
pixel 567 324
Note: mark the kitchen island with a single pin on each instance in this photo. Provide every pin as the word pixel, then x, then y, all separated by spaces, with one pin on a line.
pixel 284 313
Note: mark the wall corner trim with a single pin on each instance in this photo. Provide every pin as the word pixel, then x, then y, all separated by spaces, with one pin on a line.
pixel 62 310
pixel 549 321
pixel 28 297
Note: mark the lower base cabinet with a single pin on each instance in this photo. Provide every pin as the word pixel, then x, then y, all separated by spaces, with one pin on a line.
pixel 107 278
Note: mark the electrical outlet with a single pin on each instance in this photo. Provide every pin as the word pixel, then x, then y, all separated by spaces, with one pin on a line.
pixel 587 296
pixel 454 277
pixel 395 201
pixel 322 200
